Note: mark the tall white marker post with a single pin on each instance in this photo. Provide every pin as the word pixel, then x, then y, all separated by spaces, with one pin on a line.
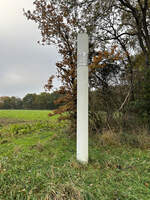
pixel 82 98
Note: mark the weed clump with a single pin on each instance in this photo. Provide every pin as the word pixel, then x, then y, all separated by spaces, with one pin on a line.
pixel 66 191
pixel 26 128
pixel 110 138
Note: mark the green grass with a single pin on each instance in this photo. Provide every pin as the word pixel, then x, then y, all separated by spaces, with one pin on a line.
pixel 41 164
pixel 25 114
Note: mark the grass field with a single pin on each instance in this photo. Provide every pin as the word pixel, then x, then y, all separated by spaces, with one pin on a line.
pixel 25 114
pixel 37 162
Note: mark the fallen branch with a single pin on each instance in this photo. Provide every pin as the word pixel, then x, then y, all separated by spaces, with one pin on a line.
pixel 124 101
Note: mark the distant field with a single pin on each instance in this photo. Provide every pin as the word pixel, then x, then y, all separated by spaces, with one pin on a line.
pixel 25 114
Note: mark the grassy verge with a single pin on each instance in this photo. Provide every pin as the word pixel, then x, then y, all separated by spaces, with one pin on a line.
pixel 40 164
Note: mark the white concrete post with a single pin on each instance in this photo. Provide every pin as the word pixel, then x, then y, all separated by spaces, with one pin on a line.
pixel 82 97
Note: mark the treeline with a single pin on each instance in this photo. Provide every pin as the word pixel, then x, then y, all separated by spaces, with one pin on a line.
pixel 45 101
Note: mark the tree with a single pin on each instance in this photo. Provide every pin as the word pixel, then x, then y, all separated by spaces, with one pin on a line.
pixel 29 101
pixel 126 24
pixel 15 102
pixel 46 101
pixel 121 23
pixel 57 21
pixel 5 102
pixel 142 86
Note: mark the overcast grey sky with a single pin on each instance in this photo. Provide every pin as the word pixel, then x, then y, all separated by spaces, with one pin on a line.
pixel 25 66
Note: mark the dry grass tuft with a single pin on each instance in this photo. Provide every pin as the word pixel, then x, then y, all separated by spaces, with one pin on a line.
pixel 39 147
pixel 65 192
pixel 77 165
pixel 17 149
pixel 110 138
pixel 144 140
pixel 139 138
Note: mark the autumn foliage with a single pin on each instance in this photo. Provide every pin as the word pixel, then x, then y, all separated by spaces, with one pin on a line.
pixel 58 23
pixel 55 21
pixel 103 57
pixel 118 30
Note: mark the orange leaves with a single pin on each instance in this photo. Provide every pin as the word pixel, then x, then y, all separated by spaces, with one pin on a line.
pixel 49 85
pixel 99 61
pixel 57 24
pixel 48 6
pixel 98 58
pixel 146 184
